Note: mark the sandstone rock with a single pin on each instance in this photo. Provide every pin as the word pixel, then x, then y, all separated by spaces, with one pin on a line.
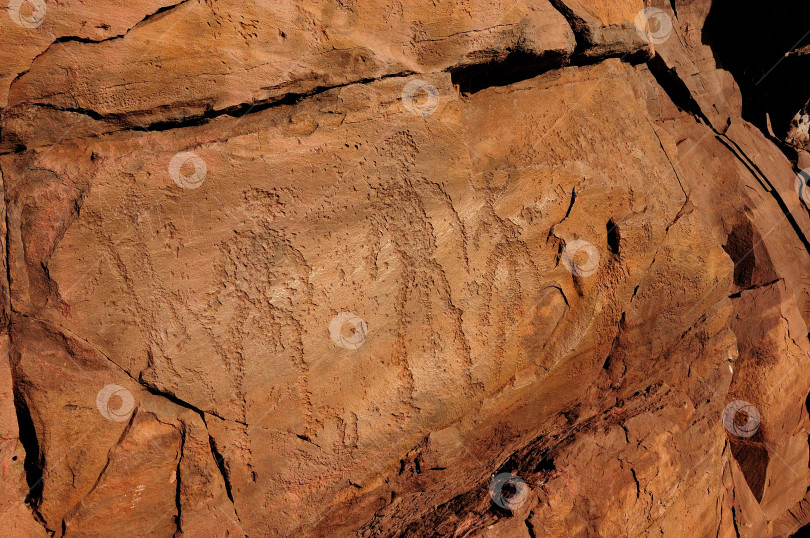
pixel 311 45
pixel 799 131
pixel 331 268
pixel 18 520
pixel 31 28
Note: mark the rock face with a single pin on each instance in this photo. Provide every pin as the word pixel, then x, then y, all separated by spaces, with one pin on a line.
pixel 455 268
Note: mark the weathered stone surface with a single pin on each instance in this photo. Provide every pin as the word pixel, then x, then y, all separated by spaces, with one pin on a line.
pixel 799 132
pixel 343 268
pixel 263 53
pixel 17 518
pixel 72 21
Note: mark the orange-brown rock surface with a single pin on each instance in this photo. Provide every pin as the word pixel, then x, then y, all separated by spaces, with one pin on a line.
pixel 426 268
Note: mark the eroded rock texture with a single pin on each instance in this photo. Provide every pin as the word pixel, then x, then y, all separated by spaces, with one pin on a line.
pixel 454 268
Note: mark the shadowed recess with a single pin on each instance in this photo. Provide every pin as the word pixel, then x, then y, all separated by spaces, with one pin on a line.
pixel 517 66
pixel 752 456
pixel 771 82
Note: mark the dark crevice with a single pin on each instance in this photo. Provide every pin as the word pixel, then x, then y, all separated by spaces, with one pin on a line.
pixel 67 39
pixel 747 161
pixel 546 464
pixel 766 185
pixel 517 66
pixel 675 88
pixel 571 203
pixel 631 57
pixel 613 237
pixel 179 531
pixel 92 114
pixel 223 469
pixel 776 195
pixel 73 38
pixel 307 439
pixel 738 294
pixel 756 172
pixel 530 526
pixel 533 458
pixel 34 463
pixel 560 246
pixel 626 439
pixel 753 458
pixel 60 331
pixel 635 479
pixel 734 520
pixel 685 209
pixel 125 120
pixel 7 253
pixel 581 29
pixel 182 403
